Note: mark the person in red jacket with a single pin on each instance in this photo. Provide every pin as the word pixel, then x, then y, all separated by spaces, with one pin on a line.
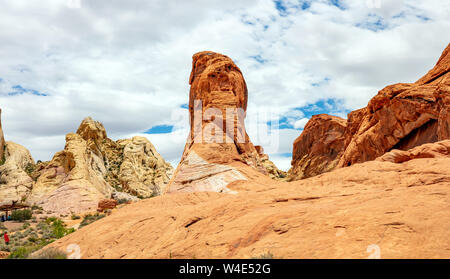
pixel 6 237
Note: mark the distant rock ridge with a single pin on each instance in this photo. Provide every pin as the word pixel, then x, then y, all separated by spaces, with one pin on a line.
pixel 401 116
pixel 91 167
pixel 218 144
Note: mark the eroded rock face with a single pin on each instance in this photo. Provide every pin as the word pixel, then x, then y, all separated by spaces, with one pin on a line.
pixel 401 116
pixel 439 149
pixel 217 105
pixel 2 141
pixel 318 148
pixel 15 182
pixel 143 171
pixel 93 167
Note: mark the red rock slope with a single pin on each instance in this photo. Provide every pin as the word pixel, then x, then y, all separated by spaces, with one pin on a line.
pixel 401 116
pixel 400 210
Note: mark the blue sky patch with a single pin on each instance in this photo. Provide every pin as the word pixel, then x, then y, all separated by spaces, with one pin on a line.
pixel 259 59
pixel 19 90
pixel 338 4
pixel 159 129
pixel 282 9
pixel 374 22
pixel 328 106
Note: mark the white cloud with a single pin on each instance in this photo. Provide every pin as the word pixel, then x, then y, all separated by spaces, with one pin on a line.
pixel 300 124
pixel 127 63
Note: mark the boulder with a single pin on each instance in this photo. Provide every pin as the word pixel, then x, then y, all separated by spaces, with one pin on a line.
pixel 106 204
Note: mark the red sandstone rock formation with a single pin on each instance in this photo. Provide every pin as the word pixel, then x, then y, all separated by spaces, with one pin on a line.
pixel 218 147
pixel 318 148
pixel 428 150
pixel 402 209
pixel 401 116
pixel 397 204
pixel 106 204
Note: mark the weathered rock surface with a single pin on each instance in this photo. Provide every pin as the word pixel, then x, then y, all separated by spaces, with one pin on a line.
pixel 268 166
pixel 429 150
pixel 15 183
pixel 2 141
pixel 143 171
pixel 106 204
pixel 91 167
pixel 373 209
pixel 217 105
pixel 318 148
pixel 401 116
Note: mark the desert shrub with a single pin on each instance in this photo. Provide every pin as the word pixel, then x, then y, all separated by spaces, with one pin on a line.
pixel 88 219
pixel 60 230
pixel 49 254
pixel 75 217
pixel 21 215
pixel 25 225
pixel 122 201
pixel 4 247
pixel 266 255
pixel 36 207
pixel 20 252
pixel 55 228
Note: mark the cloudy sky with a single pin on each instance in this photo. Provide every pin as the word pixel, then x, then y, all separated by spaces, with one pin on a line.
pixel 127 63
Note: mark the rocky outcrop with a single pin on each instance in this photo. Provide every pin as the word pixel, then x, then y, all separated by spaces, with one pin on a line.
pixel 92 167
pixel 106 204
pixel 2 141
pixel 15 182
pixel 318 148
pixel 401 116
pixel 218 139
pixel 143 172
pixel 429 150
pixel 375 209
pixel 268 166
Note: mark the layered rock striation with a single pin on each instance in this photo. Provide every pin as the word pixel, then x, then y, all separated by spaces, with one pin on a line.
pixel 218 145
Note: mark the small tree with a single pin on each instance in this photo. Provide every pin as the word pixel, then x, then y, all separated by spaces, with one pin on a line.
pixel 21 215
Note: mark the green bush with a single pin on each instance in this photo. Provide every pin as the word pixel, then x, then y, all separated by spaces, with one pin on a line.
pixel 49 254
pixel 75 217
pixel 88 219
pixel 21 215
pixel 21 252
